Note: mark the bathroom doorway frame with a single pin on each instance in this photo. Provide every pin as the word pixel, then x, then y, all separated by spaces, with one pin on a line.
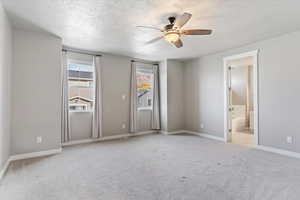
pixel 227 115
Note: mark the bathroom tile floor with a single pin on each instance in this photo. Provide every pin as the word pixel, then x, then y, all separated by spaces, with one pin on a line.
pixel 243 138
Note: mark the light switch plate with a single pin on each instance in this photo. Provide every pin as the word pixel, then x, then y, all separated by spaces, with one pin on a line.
pixel 39 139
pixel 123 96
pixel 201 125
pixel 123 125
pixel 289 139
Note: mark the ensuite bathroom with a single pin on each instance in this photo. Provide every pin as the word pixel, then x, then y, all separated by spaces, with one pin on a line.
pixel 242 101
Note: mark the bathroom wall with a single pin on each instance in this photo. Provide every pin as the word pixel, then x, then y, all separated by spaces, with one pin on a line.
pixel 239 85
pixel 240 69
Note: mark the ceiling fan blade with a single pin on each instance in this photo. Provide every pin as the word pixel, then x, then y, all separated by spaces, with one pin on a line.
pixel 182 20
pixel 178 43
pixel 154 40
pixel 196 32
pixel 150 27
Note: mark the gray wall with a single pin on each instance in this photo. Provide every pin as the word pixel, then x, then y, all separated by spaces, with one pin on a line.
pixel 163 87
pixel 116 82
pixel 279 86
pixel 5 74
pixel 36 92
pixel 204 96
pixel 175 95
pixel 171 95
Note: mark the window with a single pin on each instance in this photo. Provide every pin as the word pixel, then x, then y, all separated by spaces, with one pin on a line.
pixel 144 89
pixel 81 86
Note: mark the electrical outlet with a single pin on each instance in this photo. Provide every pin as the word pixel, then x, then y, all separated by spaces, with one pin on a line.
pixel 39 139
pixel 201 125
pixel 123 125
pixel 123 96
pixel 289 139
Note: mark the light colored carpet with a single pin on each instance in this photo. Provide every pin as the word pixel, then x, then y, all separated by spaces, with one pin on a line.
pixel 155 167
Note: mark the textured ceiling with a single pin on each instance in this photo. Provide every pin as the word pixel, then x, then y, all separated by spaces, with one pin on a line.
pixel 109 25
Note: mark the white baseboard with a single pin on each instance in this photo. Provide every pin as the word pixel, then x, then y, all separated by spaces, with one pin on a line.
pixel 163 132
pixel 172 132
pixel 35 154
pixel 260 147
pixel 193 133
pixel 4 168
pixel 114 137
pixel 144 133
pixel 59 150
pixel 26 156
pixel 206 136
pixel 279 151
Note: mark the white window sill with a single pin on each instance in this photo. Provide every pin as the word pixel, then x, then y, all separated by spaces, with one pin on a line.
pixel 81 111
pixel 144 108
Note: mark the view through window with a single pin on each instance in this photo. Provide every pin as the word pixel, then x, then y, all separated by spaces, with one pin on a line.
pixel 144 89
pixel 81 86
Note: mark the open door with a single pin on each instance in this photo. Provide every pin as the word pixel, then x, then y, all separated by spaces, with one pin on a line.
pixel 241 99
pixel 230 107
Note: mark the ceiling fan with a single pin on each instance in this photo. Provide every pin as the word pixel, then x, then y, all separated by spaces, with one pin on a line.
pixel 173 31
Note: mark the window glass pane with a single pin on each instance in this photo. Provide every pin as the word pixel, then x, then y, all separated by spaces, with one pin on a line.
pixel 145 89
pixel 81 87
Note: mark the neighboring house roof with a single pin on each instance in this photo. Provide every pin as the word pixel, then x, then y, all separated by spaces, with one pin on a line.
pixel 80 98
pixel 80 74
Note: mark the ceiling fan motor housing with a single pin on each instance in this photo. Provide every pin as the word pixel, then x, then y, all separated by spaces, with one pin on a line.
pixel 170 26
pixel 172 19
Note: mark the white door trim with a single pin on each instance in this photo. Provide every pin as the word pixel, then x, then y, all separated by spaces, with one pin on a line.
pixel 254 54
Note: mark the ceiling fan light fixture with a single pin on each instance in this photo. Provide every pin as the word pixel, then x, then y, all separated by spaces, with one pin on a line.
pixel 173 31
pixel 172 37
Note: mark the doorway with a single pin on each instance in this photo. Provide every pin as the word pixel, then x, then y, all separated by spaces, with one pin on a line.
pixel 241 99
